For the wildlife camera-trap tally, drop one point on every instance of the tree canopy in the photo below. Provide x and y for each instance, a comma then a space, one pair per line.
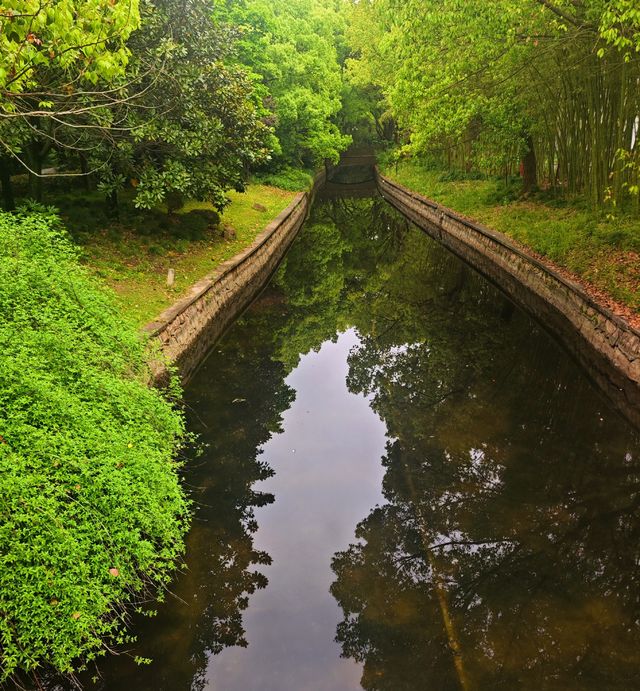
292, 48
83, 39
195, 96
177, 100
194, 128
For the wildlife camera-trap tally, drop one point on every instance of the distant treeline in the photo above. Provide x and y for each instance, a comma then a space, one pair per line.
184, 99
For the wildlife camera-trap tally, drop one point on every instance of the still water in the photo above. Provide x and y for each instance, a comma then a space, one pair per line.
405, 484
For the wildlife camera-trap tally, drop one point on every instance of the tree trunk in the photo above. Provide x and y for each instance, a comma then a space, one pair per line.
35, 183
113, 208
9, 202
84, 169
529, 168
37, 153
35, 160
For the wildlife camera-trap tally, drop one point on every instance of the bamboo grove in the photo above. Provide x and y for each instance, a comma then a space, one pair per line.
547, 89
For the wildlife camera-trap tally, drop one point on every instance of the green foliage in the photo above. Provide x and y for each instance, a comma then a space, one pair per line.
62, 72
364, 115
457, 175
292, 46
82, 39
620, 26
438, 64
186, 99
196, 128
93, 513
486, 86
291, 179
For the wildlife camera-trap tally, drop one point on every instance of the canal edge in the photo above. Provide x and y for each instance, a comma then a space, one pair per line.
182, 335
603, 342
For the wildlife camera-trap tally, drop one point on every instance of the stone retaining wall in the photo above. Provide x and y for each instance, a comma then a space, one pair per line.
604, 343
188, 329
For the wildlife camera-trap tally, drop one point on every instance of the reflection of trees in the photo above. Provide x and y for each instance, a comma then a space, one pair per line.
327, 268
313, 284
206, 615
506, 556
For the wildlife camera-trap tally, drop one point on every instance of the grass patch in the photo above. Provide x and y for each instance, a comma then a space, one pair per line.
602, 250
134, 254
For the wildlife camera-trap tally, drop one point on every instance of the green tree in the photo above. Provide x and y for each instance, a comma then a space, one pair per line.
490, 86
195, 128
292, 48
62, 66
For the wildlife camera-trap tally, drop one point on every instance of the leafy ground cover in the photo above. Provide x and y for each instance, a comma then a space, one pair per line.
92, 512
599, 248
134, 254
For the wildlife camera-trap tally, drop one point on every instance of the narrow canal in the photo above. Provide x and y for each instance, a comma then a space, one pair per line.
404, 484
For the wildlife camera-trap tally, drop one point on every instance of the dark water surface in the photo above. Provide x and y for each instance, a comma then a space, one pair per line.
406, 485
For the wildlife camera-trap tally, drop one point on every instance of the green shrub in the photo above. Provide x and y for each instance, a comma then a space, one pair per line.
92, 513
290, 179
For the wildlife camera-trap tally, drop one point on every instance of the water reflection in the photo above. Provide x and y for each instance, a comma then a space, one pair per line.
328, 474
506, 555
496, 547
235, 405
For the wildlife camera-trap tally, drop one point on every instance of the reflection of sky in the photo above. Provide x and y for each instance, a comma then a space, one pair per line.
328, 477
